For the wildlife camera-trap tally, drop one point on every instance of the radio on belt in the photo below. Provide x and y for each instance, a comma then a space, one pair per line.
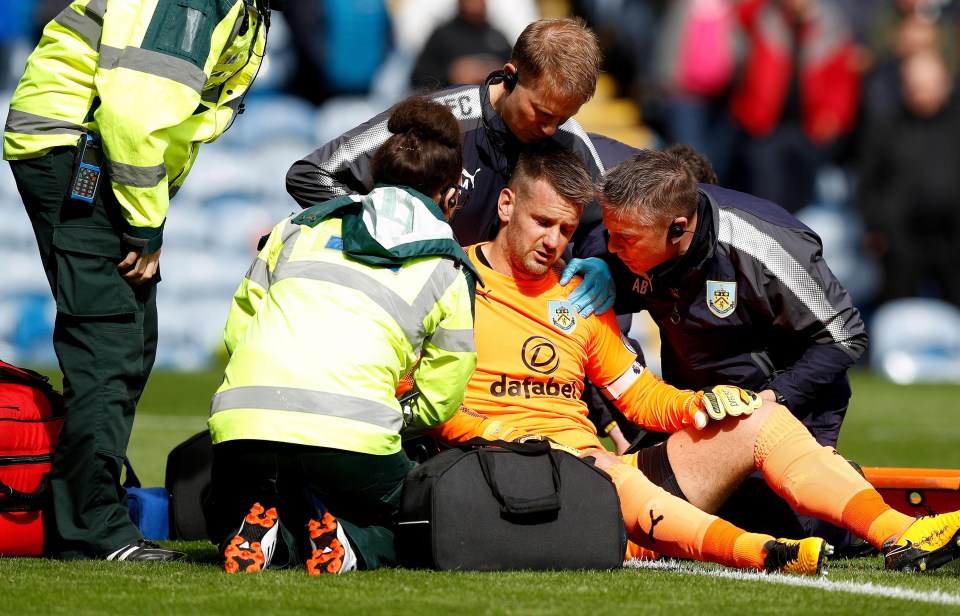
87, 179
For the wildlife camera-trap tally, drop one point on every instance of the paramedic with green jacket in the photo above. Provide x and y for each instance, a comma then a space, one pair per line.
103, 128
344, 300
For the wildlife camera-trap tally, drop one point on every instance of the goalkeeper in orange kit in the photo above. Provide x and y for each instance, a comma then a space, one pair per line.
534, 352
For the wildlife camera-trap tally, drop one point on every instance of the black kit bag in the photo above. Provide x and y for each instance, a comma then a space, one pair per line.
188, 481
507, 507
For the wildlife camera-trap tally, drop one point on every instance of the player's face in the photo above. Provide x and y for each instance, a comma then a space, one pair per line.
641, 247
533, 112
540, 226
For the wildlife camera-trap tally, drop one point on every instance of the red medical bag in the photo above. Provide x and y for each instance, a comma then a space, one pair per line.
31, 413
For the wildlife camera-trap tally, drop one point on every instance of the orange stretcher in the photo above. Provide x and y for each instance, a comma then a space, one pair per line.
917, 491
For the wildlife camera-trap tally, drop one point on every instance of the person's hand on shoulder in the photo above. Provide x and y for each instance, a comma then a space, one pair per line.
597, 292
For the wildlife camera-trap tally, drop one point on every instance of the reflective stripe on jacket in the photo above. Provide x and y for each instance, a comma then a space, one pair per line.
319, 340
153, 78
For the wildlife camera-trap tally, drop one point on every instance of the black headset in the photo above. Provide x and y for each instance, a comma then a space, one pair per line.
499, 161
263, 9
452, 201
676, 229
510, 80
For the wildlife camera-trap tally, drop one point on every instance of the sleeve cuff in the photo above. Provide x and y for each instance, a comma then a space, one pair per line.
143, 240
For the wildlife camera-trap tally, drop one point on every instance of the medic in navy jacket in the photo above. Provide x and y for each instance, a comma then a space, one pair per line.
752, 303
490, 152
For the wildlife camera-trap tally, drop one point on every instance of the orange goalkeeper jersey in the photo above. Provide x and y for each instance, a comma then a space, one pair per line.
533, 352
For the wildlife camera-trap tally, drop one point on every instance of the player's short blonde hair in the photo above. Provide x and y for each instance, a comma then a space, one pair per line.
560, 167
562, 54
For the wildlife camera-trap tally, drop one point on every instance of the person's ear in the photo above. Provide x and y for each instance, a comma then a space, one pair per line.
450, 198
505, 204
510, 76
677, 229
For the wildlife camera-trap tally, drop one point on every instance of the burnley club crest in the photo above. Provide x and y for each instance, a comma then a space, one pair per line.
562, 315
721, 297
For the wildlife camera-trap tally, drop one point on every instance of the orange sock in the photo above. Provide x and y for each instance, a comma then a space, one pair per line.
637, 552
867, 516
659, 521
818, 481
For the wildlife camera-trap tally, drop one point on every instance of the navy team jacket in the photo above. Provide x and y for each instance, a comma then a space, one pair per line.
490, 153
752, 303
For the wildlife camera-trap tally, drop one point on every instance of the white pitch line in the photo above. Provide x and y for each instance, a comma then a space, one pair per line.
820, 583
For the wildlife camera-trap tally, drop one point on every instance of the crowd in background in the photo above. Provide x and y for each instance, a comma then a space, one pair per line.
784, 94
841, 111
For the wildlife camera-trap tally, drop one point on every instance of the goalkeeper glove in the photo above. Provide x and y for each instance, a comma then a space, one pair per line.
494, 430
720, 401
536, 438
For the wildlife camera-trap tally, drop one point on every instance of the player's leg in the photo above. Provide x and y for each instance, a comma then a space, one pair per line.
817, 481
710, 464
661, 521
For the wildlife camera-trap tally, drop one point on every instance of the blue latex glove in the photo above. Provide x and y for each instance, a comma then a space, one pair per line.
597, 292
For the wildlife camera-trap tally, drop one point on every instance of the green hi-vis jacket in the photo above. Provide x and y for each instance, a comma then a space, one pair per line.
154, 78
340, 303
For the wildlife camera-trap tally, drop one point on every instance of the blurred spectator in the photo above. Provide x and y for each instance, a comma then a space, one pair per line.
885, 39
415, 20
797, 97
909, 192
699, 49
899, 29
339, 45
463, 50
627, 31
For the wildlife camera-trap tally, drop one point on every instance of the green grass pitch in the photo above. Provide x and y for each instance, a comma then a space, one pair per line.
887, 425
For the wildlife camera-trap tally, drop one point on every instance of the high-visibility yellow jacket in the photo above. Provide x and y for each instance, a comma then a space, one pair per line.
339, 304
154, 78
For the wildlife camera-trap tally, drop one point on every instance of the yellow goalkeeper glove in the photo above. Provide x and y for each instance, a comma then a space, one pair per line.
536, 438
565, 448
720, 401
494, 430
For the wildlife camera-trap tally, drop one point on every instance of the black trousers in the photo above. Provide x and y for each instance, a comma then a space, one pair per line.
105, 338
361, 490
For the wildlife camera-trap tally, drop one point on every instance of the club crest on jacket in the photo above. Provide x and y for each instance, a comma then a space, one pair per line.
721, 297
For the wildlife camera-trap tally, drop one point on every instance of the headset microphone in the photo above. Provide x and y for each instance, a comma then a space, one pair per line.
510, 80
676, 230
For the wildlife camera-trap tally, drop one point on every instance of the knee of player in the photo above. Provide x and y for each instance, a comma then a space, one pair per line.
758, 417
